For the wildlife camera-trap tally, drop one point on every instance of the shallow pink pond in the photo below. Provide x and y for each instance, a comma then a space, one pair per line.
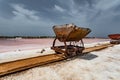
23, 44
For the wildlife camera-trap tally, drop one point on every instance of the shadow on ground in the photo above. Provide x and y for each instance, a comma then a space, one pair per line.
88, 56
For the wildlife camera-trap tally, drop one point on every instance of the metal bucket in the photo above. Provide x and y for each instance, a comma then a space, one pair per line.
70, 32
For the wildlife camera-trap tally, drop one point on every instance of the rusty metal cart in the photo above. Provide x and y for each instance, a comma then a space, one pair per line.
115, 38
69, 34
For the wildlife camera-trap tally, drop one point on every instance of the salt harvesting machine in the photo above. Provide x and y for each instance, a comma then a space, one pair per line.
70, 35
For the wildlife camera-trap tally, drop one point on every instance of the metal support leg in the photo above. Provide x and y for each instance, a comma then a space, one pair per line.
54, 41
82, 42
66, 53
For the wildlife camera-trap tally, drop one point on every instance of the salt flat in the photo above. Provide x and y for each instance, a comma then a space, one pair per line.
23, 54
97, 65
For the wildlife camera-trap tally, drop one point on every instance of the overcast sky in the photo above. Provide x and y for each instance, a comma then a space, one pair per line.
36, 17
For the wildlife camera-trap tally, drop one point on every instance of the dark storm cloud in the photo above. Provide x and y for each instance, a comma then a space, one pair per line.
36, 17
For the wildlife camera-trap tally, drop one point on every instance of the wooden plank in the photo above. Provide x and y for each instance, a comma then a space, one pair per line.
10, 67
6, 68
96, 48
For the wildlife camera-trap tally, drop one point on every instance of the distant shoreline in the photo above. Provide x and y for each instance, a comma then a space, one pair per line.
25, 37
39, 37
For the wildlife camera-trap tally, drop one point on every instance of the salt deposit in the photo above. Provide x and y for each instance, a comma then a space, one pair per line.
96, 44
23, 54
97, 65
18, 54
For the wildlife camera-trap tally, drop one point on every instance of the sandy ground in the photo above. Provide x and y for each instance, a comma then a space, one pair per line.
98, 65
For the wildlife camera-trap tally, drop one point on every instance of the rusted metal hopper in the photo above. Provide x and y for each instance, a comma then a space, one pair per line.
72, 34
115, 38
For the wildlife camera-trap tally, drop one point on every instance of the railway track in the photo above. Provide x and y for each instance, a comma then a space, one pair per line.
19, 65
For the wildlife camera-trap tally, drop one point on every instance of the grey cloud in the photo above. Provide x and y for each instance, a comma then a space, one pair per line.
25, 22
36, 17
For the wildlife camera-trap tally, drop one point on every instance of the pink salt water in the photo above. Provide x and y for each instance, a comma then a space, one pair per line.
26, 44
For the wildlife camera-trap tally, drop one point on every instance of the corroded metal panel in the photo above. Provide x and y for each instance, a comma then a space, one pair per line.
70, 32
